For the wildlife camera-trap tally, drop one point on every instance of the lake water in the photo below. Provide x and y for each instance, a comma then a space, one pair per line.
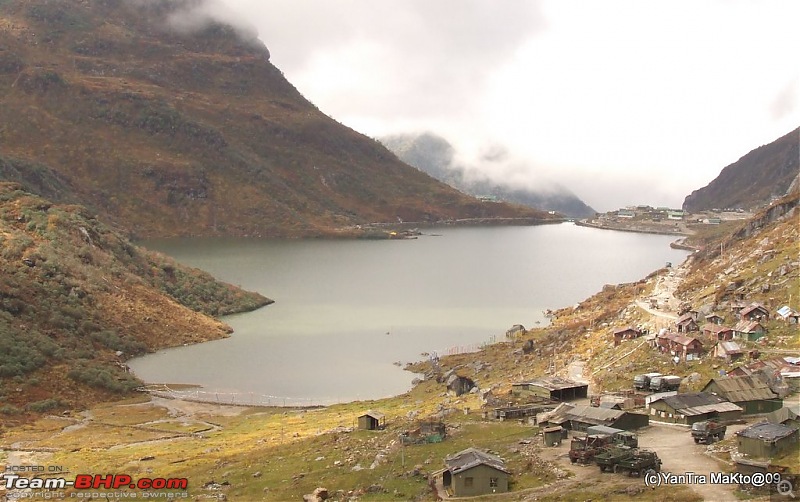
347, 311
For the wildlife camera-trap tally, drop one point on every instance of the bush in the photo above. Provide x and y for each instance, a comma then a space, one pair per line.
104, 378
10, 409
44, 405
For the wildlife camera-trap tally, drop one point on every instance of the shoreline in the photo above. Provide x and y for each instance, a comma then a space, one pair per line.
582, 223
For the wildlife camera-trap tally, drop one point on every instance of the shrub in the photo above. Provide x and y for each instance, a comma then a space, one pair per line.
10, 409
44, 405
103, 378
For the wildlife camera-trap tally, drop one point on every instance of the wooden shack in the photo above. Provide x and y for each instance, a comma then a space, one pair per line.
372, 421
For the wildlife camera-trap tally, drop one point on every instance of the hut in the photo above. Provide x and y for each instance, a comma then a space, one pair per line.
730, 351
626, 333
472, 472
553, 435
748, 330
554, 388
372, 421
765, 440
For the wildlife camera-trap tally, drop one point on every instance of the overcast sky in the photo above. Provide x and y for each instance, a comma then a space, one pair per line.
625, 102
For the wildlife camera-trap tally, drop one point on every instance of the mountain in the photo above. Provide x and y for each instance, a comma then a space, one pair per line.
77, 299
167, 128
436, 156
752, 181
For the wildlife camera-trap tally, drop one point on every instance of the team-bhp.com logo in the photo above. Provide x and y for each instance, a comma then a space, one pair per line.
11, 481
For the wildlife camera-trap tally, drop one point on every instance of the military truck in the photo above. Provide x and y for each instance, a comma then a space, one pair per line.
665, 383
610, 457
618, 436
642, 382
583, 449
708, 431
640, 462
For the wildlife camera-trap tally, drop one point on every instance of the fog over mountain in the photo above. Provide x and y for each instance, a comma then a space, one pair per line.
495, 175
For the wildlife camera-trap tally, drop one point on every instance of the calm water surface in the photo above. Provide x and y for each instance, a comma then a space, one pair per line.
347, 310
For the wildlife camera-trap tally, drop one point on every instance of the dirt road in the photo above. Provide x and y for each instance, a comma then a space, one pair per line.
679, 455
677, 451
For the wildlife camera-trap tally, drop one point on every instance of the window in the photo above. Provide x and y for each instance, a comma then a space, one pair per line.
493, 482
467, 482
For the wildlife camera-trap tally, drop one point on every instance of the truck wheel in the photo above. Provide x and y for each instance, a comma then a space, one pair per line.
696, 440
615, 468
602, 469
573, 460
650, 472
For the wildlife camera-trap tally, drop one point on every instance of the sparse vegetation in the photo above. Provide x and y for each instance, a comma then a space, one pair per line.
69, 288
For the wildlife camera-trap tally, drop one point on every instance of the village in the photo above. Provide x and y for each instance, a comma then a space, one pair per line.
682, 386
658, 423
662, 220
603, 429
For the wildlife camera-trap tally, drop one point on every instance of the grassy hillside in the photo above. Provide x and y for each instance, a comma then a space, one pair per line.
77, 299
281, 454
171, 132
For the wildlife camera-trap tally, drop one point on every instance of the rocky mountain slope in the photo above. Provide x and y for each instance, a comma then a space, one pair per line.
167, 129
751, 182
77, 299
435, 155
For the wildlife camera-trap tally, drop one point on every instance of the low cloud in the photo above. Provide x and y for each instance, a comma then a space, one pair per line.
785, 103
190, 16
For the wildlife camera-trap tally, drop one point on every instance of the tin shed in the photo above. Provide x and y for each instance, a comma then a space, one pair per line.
766, 440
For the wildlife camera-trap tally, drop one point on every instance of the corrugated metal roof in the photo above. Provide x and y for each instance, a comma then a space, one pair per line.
594, 413
730, 347
472, 457
754, 306
691, 400
710, 408
742, 388
374, 414
748, 326
716, 328
554, 383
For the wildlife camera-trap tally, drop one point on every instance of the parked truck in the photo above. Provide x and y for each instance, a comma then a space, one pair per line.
618, 436
665, 383
583, 449
708, 431
610, 457
642, 382
640, 462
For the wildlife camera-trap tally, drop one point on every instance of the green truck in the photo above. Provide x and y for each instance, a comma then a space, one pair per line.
609, 458
640, 462
708, 431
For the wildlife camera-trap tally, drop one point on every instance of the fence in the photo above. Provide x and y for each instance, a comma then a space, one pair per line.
235, 398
